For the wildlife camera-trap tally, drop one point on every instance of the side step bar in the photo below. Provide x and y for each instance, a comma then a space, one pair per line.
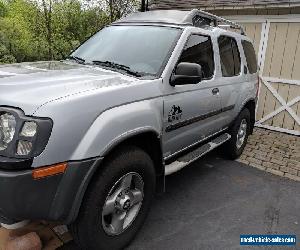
185, 160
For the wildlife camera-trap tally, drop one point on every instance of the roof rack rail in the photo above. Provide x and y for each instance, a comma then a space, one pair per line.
200, 18
197, 18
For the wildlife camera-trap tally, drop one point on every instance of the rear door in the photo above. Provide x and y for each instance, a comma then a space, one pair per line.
232, 76
251, 62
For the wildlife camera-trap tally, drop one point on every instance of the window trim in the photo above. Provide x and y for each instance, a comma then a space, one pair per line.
187, 40
239, 52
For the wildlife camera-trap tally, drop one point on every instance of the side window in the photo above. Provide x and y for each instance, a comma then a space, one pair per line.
250, 56
229, 56
236, 57
199, 50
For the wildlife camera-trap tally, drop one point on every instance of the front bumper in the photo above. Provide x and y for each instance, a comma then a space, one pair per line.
54, 198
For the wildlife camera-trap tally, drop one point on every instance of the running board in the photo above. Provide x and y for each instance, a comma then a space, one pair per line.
185, 160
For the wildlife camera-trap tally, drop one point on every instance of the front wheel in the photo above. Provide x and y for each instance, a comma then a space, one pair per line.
239, 132
117, 201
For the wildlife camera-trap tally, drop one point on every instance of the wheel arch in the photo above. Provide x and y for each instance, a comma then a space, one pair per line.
153, 147
150, 142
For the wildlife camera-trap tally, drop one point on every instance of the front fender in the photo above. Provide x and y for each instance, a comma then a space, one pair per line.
117, 124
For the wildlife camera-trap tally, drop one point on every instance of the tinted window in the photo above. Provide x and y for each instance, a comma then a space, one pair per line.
199, 50
236, 57
250, 56
229, 56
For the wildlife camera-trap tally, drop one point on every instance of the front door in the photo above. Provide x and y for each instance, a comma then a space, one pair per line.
189, 110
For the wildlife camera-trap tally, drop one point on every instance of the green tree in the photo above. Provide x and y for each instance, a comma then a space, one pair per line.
72, 25
2, 9
119, 8
50, 29
17, 31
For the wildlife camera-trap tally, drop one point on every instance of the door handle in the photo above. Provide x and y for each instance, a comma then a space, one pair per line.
215, 91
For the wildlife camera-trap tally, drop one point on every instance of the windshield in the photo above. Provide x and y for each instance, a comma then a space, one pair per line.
140, 50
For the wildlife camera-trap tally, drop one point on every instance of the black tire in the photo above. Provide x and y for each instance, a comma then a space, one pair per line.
88, 231
231, 148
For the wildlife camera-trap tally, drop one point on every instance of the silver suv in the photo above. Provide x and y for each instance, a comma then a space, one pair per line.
89, 140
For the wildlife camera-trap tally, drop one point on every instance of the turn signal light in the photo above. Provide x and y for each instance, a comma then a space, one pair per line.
49, 171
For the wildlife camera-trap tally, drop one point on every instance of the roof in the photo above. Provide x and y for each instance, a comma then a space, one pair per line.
215, 4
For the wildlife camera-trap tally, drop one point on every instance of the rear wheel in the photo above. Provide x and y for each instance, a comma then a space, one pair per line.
239, 132
117, 201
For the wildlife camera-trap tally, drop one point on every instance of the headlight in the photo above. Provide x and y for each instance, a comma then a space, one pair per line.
24, 148
21, 136
7, 129
29, 129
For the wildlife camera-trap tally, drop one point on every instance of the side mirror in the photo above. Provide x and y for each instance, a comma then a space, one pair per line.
187, 73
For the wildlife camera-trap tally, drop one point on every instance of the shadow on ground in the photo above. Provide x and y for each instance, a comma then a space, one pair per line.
211, 202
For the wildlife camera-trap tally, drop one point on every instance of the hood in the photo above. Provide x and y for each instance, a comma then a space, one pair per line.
30, 85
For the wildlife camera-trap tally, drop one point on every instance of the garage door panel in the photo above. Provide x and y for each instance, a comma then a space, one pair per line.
249, 29
278, 49
270, 101
290, 50
297, 126
283, 91
294, 92
296, 63
265, 99
289, 122
258, 28
270, 49
270, 104
262, 98
296, 109
281, 78
271, 120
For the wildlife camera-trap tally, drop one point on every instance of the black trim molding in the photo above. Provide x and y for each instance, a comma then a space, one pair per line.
187, 122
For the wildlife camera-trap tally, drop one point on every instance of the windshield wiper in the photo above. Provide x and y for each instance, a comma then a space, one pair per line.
77, 59
122, 67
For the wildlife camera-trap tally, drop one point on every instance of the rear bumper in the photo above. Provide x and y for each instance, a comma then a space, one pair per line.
54, 198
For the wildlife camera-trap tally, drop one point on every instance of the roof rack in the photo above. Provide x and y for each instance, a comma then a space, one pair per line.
199, 18
194, 17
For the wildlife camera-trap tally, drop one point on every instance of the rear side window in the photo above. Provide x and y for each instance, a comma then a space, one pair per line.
250, 56
199, 50
230, 56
